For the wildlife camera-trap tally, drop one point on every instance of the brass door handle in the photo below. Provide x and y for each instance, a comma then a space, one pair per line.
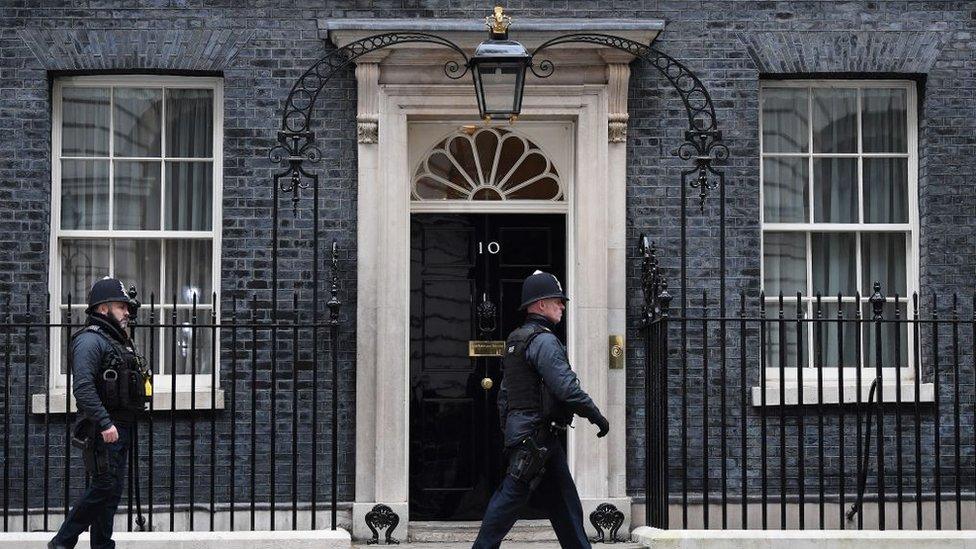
487, 383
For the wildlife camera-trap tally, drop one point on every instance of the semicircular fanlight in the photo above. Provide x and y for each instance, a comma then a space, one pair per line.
489, 164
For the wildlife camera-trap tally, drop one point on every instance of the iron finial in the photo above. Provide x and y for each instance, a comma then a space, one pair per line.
877, 302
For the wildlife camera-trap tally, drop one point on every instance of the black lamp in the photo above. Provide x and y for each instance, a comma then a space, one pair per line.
498, 68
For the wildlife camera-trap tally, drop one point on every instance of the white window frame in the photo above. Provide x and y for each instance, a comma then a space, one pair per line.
910, 229
162, 382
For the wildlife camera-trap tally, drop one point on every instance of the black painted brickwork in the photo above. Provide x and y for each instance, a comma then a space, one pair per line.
261, 49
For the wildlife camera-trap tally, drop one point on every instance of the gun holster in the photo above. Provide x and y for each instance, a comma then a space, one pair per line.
85, 437
528, 462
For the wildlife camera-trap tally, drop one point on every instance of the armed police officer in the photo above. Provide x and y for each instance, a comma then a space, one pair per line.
112, 386
539, 395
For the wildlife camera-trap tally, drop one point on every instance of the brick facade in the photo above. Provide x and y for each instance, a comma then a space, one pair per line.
261, 50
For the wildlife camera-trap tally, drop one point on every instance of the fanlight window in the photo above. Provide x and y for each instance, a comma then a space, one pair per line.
488, 164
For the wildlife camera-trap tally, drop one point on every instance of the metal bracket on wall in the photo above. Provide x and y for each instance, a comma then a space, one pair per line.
382, 517
606, 517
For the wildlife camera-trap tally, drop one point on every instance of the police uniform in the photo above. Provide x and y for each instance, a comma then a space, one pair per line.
111, 385
539, 395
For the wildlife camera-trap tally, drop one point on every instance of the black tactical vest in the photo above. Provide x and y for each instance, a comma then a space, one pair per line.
123, 382
522, 381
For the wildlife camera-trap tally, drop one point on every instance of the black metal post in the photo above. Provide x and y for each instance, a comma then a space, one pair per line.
172, 419
763, 410
294, 412
213, 408
801, 479
705, 433
937, 432
899, 470
957, 432
47, 408
819, 363
917, 409
781, 325
153, 368
877, 304
232, 382
334, 306
6, 421
193, 406
841, 426
66, 501
743, 414
27, 406
859, 390
254, 408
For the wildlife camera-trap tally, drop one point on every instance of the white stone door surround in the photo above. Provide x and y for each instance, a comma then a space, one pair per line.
402, 85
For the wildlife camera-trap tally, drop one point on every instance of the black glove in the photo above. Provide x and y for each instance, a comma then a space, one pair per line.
603, 424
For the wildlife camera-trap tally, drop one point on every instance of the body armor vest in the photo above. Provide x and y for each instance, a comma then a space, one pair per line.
522, 381
124, 382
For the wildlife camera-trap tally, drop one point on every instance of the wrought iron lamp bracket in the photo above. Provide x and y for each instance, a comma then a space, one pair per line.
296, 141
703, 140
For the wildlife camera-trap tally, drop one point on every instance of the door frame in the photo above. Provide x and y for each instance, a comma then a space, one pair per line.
383, 255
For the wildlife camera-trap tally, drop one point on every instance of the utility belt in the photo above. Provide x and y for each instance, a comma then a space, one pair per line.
528, 459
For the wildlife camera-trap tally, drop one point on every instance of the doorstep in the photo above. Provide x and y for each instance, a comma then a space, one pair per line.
291, 539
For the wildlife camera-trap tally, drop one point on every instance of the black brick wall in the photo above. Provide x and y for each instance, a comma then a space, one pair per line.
261, 49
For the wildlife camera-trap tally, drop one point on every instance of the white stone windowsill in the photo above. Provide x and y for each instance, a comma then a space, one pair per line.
831, 392
162, 401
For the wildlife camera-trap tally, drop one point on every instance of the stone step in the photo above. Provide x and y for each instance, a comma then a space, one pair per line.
467, 531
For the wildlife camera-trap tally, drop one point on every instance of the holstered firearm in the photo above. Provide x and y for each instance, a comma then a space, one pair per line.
528, 461
85, 437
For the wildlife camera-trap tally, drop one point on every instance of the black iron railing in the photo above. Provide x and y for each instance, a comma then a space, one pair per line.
795, 412
240, 459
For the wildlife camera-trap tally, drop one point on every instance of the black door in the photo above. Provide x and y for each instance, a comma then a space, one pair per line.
466, 273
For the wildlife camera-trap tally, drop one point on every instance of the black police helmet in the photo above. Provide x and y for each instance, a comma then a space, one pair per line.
540, 285
108, 290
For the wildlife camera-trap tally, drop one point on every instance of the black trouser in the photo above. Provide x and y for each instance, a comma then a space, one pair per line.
97, 506
556, 493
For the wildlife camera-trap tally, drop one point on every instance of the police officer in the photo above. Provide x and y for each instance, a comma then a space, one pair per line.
539, 395
111, 386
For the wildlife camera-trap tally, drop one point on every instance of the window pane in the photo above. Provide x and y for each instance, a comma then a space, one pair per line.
84, 194
189, 196
886, 190
788, 341
188, 270
84, 121
137, 263
189, 123
835, 190
834, 268
137, 188
889, 330
784, 263
82, 263
137, 122
835, 333
784, 120
785, 190
190, 342
883, 259
884, 120
834, 120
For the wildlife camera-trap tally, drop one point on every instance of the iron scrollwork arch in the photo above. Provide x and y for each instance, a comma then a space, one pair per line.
296, 140
703, 140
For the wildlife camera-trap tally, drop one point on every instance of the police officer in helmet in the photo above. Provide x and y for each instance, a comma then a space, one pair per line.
112, 386
539, 395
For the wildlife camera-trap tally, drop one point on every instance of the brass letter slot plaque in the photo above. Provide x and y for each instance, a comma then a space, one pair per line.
486, 348
616, 352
